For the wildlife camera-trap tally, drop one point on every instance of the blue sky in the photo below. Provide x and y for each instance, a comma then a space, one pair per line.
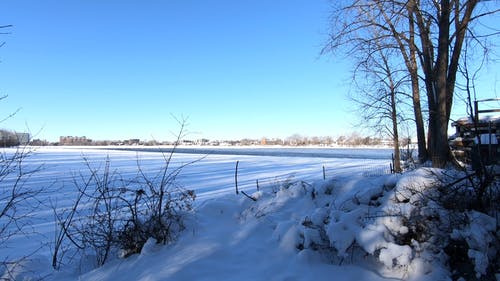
120, 69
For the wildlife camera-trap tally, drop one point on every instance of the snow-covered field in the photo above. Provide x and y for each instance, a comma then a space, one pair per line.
301, 227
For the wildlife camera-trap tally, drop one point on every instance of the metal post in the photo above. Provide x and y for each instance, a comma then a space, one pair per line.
476, 112
236, 176
490, 149
393, 164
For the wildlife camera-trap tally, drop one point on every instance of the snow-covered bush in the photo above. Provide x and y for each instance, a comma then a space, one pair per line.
479, 234
400, 225
471, 202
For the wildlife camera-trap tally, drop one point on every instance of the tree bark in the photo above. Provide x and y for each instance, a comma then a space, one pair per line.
395, 133
408, 50
440, 150
435, 78
415, 88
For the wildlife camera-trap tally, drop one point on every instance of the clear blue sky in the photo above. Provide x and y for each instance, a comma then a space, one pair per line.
119, 69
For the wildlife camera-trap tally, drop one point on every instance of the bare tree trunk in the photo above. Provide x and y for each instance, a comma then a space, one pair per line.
395, 133
419, 121
415, 88
408, 50
440, 74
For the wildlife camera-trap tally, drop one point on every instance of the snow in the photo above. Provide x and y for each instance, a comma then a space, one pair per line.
235, 239
482, 119
300, 227
478, 234
394, 254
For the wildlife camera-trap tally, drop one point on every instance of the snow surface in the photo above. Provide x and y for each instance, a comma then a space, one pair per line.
482, 118
300, 227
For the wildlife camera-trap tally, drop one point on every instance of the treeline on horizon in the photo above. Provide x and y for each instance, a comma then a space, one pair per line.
8, 138
11, 138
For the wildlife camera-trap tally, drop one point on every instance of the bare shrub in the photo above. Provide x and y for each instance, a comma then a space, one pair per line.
157, 206
18, 201
144, 223
112, 215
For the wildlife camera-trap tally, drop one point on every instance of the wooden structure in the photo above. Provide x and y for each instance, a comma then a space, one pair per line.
477, 139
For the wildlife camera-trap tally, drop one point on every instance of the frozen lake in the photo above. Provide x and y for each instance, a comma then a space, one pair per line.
309, 152
209, 172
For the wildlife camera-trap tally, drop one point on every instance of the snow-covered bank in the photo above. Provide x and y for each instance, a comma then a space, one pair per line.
348, 228
231, 238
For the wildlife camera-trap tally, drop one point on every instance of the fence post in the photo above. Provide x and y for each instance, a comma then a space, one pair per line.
324, 173
490, 150
476, 112
257, 181
393, 164
236, 176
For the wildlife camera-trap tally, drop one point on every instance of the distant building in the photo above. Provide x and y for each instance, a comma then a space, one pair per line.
39, 142
202, 142
187, 142
10, 138
71, 140
132, 142
23, 138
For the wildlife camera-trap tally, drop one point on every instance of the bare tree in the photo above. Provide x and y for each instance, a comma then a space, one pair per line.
380, 81
18, 200
353, 26
430, 30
